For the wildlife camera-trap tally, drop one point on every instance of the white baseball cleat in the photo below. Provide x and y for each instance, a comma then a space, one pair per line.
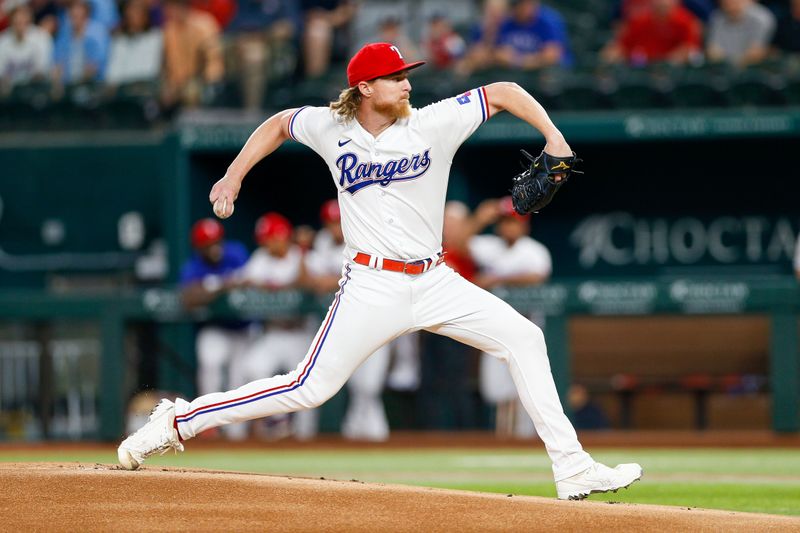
157, 436
598, 478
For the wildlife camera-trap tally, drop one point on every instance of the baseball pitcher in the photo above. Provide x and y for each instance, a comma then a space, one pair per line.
390, 165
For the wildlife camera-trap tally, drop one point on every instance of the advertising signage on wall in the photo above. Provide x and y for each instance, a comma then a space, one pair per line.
621, 243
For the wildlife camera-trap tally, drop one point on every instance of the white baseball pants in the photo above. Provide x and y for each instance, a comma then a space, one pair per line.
373, 307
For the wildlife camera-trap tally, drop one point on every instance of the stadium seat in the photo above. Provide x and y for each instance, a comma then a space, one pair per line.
316, 92
546, 85
26, 106
424, 93
487, 76
638, 94
756, 91
582, 94
697, 94
133, 105
228, 95
80, 107
701, 87
792, 92
579, 23
285, 93
430, 86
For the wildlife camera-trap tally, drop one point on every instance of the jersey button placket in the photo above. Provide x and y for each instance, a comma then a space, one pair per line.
390, 215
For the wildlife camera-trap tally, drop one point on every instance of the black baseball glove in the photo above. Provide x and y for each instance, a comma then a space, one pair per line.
533, 189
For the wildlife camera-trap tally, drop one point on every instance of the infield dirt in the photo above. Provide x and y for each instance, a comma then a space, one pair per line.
97, 497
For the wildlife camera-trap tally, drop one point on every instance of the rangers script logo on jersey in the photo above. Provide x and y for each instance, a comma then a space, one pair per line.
355, 175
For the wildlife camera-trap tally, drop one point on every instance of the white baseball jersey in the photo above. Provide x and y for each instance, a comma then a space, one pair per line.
392, 187
326, 256
494, 256
262, 267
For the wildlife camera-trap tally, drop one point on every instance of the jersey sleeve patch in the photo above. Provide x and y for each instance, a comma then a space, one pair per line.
478, 94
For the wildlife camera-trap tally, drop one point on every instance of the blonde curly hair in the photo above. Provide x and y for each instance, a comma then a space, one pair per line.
347, 104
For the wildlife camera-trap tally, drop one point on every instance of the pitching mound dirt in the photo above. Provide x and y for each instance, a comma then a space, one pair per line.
85, 497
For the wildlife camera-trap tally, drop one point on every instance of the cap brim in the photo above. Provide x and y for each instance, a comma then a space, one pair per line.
407, 66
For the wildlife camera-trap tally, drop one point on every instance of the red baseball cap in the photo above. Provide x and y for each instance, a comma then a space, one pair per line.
329, 212
376, 60
507, 209
272, 226
206, 232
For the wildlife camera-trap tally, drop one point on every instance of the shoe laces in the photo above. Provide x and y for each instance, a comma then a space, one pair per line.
601, 473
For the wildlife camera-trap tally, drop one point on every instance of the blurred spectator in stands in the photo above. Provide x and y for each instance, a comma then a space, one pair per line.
533, 37
45, 15
278, 264
460, 227
136, 50
103, 12
586, 414
193, 61
740, 32
262, 32
625, 10
156, 11
25, 50
443, 46
5, 13
787, 32
511, 258
222, 10
323, 21
701, 9
511, 240
483, 37
390, 30
664, 32
81, 47
211, 272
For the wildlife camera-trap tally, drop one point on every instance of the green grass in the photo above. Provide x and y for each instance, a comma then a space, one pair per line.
752, 480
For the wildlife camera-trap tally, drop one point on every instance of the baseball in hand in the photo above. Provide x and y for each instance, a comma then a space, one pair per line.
221, 208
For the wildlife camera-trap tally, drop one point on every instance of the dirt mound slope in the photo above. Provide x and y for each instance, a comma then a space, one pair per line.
96, 497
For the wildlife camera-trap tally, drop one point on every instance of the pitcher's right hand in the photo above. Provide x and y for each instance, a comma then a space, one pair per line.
223, 194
